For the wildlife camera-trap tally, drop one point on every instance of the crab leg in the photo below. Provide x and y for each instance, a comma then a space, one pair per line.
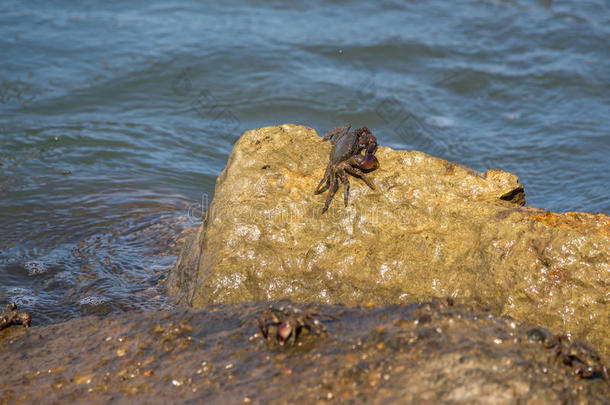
359, 173
345, 182
326, 179
334, 186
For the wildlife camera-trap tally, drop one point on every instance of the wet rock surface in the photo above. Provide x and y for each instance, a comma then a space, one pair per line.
417, 353
432, 228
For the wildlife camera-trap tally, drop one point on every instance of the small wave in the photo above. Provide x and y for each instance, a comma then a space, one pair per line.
23, 297
440, 122
511, 116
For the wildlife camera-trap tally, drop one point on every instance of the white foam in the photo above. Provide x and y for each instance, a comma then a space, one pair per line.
93, 300
36, 267
440, 122
511, 116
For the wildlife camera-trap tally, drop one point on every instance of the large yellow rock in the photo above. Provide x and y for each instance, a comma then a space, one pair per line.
432, 228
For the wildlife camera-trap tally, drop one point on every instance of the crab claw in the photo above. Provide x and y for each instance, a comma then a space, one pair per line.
366, 162
369, 162
283, 332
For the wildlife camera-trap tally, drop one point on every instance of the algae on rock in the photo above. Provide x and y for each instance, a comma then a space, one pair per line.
432, 228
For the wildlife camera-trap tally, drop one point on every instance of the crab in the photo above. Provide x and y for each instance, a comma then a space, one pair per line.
574, 353
346, 157
285, 323
10, 316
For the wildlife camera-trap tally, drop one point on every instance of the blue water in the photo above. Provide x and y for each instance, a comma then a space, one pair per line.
117, 117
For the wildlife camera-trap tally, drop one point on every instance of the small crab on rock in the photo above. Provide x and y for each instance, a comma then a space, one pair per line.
10, 316
573, 353
285, 323
346, 157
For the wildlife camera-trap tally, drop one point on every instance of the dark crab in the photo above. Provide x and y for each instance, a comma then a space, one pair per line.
285, 323
10, 316
573, 353
346, 157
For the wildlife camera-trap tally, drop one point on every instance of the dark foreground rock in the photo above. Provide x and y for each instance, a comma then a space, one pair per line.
432, 228
418, 353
